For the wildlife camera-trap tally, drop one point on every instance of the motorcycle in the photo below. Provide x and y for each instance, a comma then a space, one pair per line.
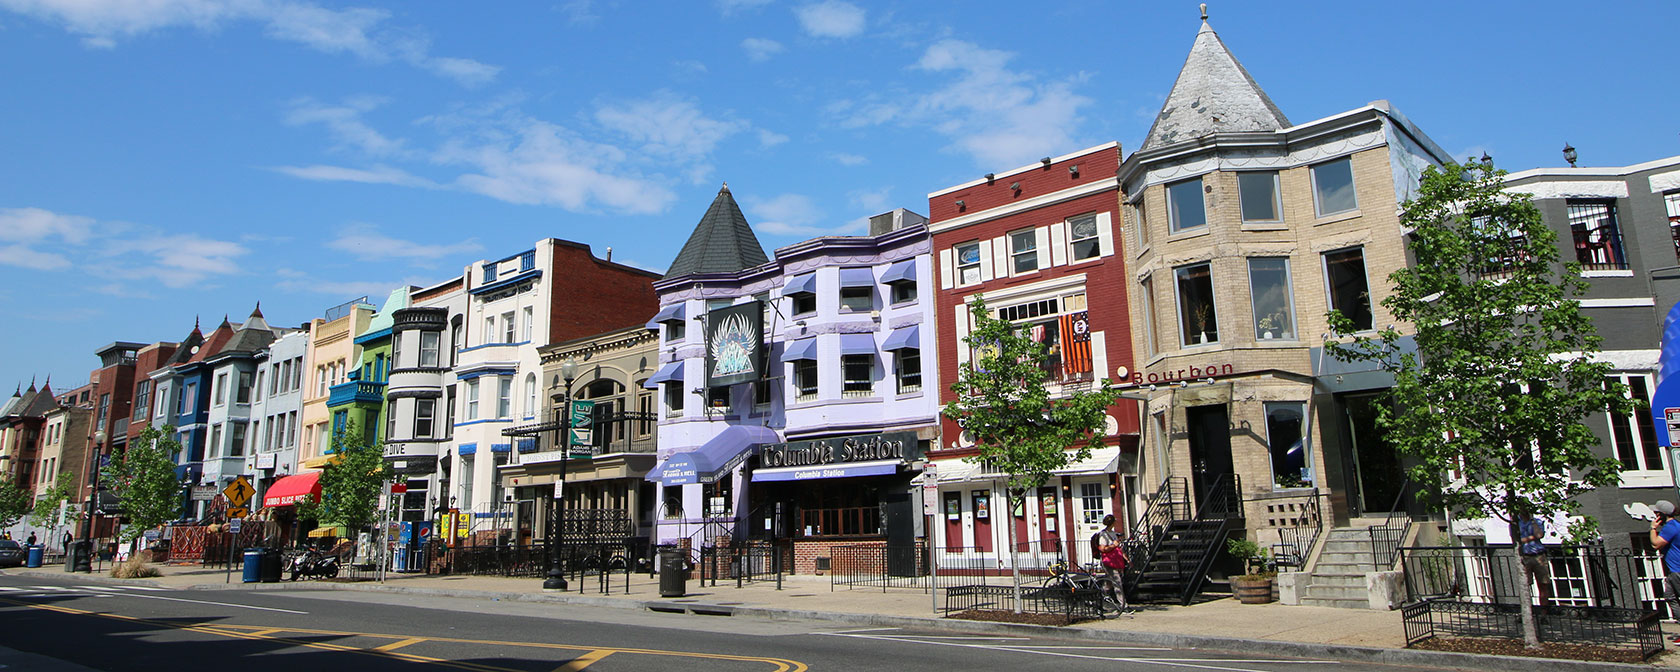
315, 565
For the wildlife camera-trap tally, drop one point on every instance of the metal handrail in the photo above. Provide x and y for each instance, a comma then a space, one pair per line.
1300, 539
1170, 502
1387, 537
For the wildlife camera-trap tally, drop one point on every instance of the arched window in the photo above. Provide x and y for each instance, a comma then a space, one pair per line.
530, 395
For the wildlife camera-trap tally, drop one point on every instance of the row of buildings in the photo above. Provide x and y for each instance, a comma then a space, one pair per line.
796, 395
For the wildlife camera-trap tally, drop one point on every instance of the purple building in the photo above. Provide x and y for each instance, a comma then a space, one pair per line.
794, 406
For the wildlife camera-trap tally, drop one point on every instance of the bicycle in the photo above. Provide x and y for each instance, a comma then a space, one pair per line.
1087, 584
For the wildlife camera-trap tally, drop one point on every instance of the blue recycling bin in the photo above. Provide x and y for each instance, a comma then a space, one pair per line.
253, 566
33, 559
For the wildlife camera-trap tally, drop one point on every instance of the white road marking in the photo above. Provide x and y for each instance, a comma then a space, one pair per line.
1020, 639
219, 604
1091, 648
1198, 663
64, 589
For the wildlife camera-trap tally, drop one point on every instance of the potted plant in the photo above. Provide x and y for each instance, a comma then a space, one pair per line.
1255, 586
1202, 315
1277, 321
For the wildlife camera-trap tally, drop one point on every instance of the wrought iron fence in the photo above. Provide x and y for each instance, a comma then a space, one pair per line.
1301, 524
1074, 602
942, 567
745, 563
522, 561
1588, 594
1387, 536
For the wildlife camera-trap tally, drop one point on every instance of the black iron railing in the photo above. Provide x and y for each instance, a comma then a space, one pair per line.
1387, 536
1170, 502
1633, 630
1299, 537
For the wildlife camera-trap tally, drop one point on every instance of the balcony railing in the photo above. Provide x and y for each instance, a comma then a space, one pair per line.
356, 391
1599, 249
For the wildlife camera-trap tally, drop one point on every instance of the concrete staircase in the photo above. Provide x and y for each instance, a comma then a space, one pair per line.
1338, 577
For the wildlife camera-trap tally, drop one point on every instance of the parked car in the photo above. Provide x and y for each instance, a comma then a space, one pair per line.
11, 553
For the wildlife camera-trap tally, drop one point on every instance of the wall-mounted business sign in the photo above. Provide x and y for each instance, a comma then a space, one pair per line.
1126, 377
582, 427
734, 344
901, 446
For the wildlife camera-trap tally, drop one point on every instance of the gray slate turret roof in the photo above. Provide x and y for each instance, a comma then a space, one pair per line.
721, 243
1213, 94
252, 336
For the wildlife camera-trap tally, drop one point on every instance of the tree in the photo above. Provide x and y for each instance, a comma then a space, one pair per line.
1005, 406
351, 484
15, 501
143, 476
48, 506
1490, 403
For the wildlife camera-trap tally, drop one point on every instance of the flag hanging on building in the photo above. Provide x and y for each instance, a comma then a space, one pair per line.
1076, 343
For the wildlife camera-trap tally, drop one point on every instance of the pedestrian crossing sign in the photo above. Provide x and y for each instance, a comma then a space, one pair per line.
239, 492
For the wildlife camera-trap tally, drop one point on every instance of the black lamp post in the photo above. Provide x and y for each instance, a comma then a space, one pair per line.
84, 547
1569, 154
556, 574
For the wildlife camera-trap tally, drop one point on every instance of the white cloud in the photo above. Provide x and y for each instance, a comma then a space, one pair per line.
379, 174
689, 67
185, 259
366, 242
727, 7
873, 201
546, 164
29, 225
345, 123
358, 31
770, 138
761, 49
299, 281
19, 255
997, 116
845, 159
831, 18
795, 215
665, 123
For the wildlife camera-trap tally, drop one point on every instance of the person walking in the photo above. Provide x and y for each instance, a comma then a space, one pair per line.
1665, 537
1108, 547
1530, 533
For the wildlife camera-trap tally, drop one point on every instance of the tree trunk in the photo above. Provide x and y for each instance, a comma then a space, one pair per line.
1014, 557
1530, 630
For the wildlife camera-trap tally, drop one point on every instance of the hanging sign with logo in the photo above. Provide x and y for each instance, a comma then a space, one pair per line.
1665, 400
582, 425
734, 344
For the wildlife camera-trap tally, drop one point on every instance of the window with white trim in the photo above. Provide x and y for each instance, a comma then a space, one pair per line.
805, 380
1186, 207
530, 395
674, 397
1597, 235
489, 329
1023, 251
1048, 321
1274, 303
530, 323
504, 397
860, 376
907, 363
1350, 292
507, 327
1150, 345
424, 410
1333, 187
1634, 436
1198, 319
220, 387
472, 399
968, 263
1257, 190
1083, 240
429, 348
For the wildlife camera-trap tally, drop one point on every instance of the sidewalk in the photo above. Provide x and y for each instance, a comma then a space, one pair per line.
1314, 632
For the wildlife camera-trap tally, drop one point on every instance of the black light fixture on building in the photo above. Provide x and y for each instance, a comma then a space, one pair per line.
1569, 154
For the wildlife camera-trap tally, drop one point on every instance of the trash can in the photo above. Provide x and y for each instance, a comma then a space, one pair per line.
270, 565
253, 566
673, 573
33, 559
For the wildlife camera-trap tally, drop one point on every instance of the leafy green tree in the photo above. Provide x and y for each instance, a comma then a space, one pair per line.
15, 502
1004, 404
1491, 401
52, 501
143, 476
351, 484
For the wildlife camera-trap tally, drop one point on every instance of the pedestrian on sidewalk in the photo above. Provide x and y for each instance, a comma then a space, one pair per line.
1531, 530
1665, 532
31, 541
1108, 548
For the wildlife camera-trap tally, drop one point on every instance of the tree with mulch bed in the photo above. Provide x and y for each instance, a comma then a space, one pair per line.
1018, 427
1507, 647
1491, 401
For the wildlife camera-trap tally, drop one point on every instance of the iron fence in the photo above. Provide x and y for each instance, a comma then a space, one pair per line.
1074, 602
1387, 536
745, 563
1609, 627
939, 567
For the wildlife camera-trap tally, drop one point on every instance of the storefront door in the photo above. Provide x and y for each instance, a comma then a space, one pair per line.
1210, 447
1091, 503
1377, 475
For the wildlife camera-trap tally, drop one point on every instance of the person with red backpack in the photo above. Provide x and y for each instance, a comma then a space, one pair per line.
1106, 546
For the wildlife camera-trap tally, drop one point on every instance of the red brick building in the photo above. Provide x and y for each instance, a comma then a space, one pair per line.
1039, 243
141, 398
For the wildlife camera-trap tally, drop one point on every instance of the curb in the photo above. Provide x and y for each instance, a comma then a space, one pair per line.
1342, 652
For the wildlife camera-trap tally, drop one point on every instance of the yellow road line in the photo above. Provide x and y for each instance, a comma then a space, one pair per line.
778, 664
584, 660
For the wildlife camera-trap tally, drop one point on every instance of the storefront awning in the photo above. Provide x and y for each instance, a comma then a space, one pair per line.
1102, 461
857, 344
675, 311
904, 271
800, 284
904, 338
804, 348
667, 373
856, 277
952, 471
875, 468
287, 491
718, 456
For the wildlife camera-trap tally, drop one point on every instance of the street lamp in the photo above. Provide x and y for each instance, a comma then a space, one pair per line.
83, 553
1569, 154
556, 579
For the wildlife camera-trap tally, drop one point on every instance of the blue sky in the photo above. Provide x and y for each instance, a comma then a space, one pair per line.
178, 158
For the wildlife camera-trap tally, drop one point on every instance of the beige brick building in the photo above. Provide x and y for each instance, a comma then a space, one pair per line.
1243, 231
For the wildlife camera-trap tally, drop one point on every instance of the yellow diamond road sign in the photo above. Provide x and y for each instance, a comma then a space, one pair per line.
239, 492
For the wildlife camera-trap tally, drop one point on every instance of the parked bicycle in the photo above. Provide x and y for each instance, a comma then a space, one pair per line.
1085, 584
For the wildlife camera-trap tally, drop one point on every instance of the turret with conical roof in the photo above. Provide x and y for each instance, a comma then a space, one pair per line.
1213, 94
721, 243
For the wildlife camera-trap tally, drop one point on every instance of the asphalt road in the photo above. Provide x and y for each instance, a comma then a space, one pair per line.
126, 628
